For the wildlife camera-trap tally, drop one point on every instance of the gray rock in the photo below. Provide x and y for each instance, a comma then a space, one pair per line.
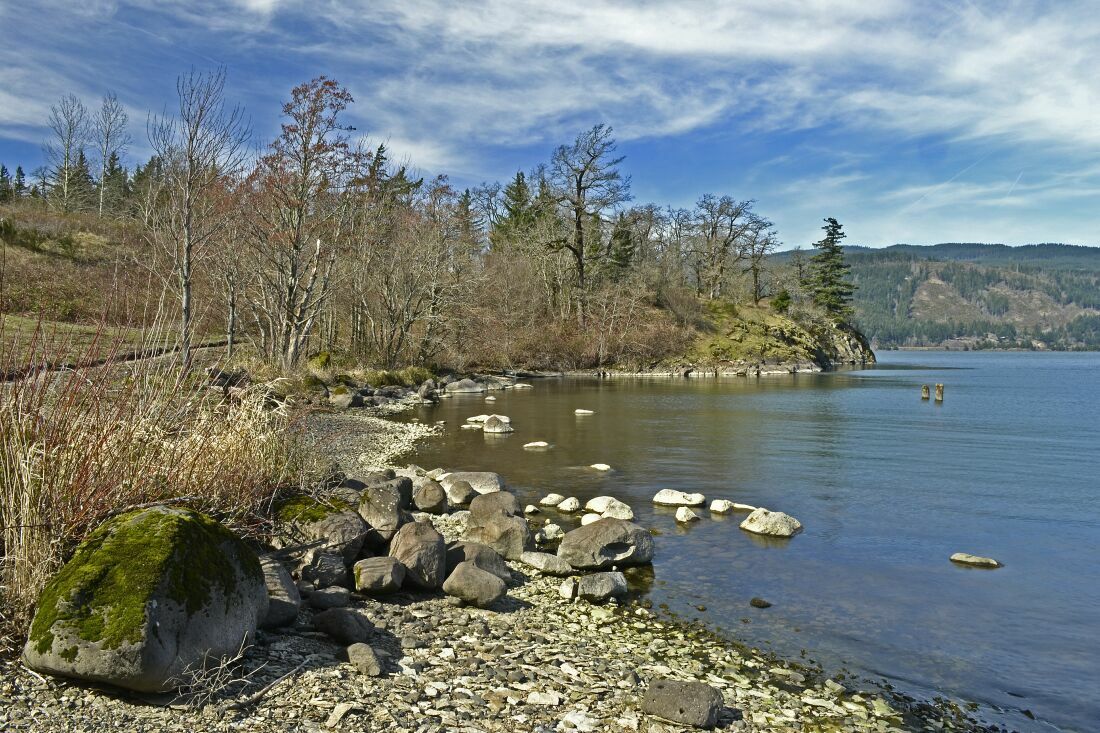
427, 390
345, 625
307, 519
283, 599
465, 385
168, 588
498, 503
774, 524
342, 398
510, 536
546, 563
605, 543
420, 549
495, 425
325, 570
483, 482
601, 587
429, 496
363, 658
688, 703
459, 493
329, 598
382, 507
965, 558
483, 556
378, 575
474, 585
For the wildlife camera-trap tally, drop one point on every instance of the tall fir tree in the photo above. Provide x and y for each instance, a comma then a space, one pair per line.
622, 246
7, 190
519, 213
19, 185
828, 283
115, 184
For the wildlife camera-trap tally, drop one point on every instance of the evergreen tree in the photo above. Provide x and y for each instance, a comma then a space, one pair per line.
622, 246
828, 283
115, 184
7, 191
519, 213
82, 182
19, 185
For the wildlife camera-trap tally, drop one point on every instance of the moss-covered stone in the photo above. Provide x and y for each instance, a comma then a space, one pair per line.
307, 509
101, 595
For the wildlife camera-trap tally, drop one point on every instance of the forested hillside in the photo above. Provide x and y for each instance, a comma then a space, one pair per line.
1044, 296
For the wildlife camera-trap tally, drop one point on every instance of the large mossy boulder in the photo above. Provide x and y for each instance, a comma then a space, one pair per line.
334, 522
148, 597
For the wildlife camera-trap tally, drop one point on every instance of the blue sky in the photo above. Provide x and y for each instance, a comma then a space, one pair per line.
915, 122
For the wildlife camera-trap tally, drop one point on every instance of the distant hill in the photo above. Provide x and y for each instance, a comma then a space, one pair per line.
971, 295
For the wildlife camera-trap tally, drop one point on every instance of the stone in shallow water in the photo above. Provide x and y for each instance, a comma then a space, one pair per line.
964, 558
570, 505
582, 411
775, 524
600, 467
590, 518
685, 515
551, 500
689, 703
536, 444
672, 497
605, 543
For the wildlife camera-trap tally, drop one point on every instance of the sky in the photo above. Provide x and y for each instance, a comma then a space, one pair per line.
908, 121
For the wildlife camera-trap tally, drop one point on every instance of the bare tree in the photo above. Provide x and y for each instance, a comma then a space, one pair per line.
202, 149
587, 181
68, 123
298, 217
760, 240
719, 223
111, 139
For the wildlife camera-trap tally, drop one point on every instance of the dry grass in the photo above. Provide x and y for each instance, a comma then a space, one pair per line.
78, 445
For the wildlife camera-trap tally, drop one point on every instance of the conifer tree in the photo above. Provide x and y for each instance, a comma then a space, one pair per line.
829, 285
19, 185
7, 191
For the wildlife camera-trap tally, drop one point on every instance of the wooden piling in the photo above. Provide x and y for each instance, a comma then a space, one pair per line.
925, 392
939, 393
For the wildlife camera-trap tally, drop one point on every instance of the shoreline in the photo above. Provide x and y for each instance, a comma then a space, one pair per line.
534, 661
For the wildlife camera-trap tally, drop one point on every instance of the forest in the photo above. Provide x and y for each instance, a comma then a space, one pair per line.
319, 241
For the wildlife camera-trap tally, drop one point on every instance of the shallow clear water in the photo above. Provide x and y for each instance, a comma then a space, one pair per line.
887, 487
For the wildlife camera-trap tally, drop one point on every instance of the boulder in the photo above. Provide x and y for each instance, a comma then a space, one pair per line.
551, 500
590, 518
774, 524
721, 506
617, 510
550, 532
465, 386
459, 493
605, 543
345, 625
382, 507
685, 515
420, 549
483, 482
602, 587
568, 589
531, 509
325, 570
306, 519
599, 504
377, 575
546, 563
486, 506
329, 598
672, 497
964, 558
342, 398
570, 505
495, 425
688, 703
283, 599
149, 595
362, 657
482, 556
474, 585
429, 496
426, 391
508, 535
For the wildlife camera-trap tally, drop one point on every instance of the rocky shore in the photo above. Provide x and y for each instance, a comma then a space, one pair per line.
534, 654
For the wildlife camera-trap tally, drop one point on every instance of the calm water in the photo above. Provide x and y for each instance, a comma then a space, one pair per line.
887, 487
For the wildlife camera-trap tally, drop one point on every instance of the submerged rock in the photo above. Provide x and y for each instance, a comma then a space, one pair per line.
774, 524
149, 595
977, 561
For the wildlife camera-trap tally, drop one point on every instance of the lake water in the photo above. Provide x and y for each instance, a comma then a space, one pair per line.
887, 487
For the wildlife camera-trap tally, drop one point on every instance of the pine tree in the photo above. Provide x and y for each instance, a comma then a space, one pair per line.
622, 246
828, 283
519, 213
83, 184
115, 184
19, 185
7, 191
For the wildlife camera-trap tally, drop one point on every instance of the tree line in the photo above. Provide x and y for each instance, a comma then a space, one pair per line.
321, 242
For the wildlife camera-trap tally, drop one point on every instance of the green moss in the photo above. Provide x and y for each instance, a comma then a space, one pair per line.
321, 360
102, 594
407, 377
339, 390
307, 509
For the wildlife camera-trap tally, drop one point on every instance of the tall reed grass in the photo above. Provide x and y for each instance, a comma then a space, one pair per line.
81, 443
